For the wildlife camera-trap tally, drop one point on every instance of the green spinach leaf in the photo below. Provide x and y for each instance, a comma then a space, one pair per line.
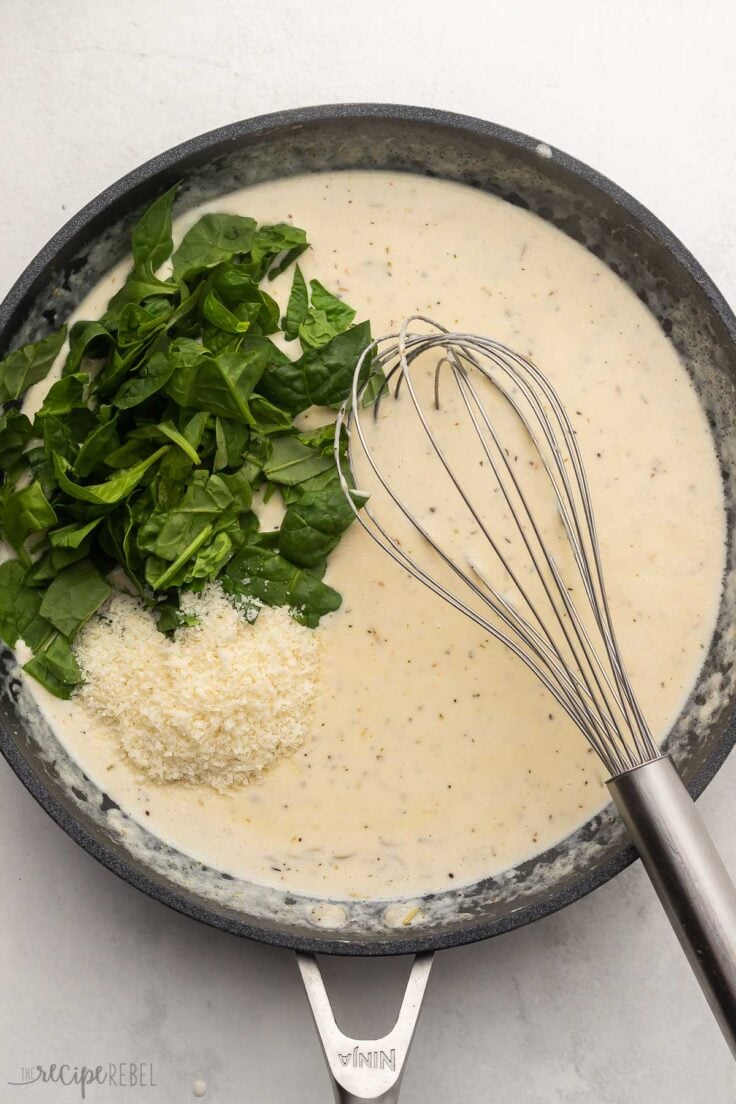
112, 491
15, 433
74, 595
19, 604
28, 365
260, 576
329, 369
296, 311
221, 385
67, 394
24, 512
88, 341
55, 667
313, 525
213, 239
291, 461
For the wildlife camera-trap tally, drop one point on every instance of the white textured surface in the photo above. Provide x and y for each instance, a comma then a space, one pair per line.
592, 1005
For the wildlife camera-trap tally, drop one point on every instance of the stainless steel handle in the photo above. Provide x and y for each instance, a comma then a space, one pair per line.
365, 1071
689, 877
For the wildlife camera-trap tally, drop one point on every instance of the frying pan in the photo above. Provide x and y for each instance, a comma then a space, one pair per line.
641, 251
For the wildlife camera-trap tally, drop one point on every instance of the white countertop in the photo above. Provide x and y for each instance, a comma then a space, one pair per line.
592, 1006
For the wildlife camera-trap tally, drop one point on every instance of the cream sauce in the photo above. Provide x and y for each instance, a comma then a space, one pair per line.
435, 758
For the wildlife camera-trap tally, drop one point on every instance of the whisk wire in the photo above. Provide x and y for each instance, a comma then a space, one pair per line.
583, 640
587, 679
593, 663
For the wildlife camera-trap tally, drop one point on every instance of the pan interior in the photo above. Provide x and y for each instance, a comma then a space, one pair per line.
639, 253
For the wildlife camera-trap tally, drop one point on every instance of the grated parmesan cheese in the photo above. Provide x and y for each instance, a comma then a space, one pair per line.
215, 705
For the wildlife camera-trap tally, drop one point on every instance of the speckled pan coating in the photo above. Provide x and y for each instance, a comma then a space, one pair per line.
587, 207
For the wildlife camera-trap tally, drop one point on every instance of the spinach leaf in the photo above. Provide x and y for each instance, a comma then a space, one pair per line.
138, 324
73, 597
221, 385
162, 574
170, 482
72, 535
273, 244
112, 491
97, 445
313, 525
228, 321
257, 575
210, 559
117, 539
87, 341
19, 604
329, 369
169, 617
206, 497
58, 439
322, 438
151, 237
234, 303
193, 429
213, 239
337, 312
232, 440
316, 330
292, 461
152, 245
296, 311
283, 382
286, 259
168, 429
328, 479
15, 433
266, 417
153, 377
28, 365
375, 385
24, 512
238, 484
135, 449
59, 558
67, 394
139, 285
322, 376
40, 469
326, 317
55, 667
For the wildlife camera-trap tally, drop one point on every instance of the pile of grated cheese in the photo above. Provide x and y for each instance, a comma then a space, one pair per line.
216, 704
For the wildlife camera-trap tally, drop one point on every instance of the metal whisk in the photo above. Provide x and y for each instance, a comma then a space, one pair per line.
547, 603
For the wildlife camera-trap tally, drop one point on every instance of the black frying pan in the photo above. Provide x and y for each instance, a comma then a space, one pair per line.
584, 205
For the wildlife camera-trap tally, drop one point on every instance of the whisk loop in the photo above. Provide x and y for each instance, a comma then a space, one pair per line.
536, 606
540, 591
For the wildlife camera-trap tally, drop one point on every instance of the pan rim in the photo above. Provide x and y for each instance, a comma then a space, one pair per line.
12, 311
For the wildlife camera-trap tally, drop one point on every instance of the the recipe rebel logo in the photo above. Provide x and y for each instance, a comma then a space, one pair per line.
119, 1075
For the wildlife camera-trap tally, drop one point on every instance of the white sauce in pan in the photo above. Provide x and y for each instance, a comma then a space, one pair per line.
434, 757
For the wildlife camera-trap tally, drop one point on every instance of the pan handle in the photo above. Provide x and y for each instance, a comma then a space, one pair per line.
365, 1071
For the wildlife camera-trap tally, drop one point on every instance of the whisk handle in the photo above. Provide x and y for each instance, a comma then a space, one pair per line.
690, 879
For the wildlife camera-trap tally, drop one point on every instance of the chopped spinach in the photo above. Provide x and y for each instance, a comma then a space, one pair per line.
171, 410
28, 365
292, 461
257, 575
313, 525
74, 595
